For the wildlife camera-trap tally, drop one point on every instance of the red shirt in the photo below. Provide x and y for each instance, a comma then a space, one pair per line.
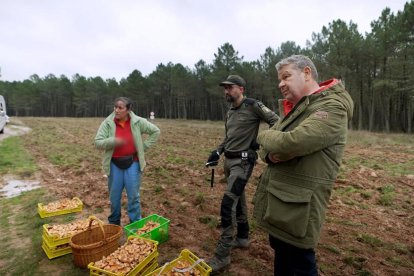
123, 130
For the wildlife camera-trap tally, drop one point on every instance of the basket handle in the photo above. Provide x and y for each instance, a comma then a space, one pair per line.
100, 223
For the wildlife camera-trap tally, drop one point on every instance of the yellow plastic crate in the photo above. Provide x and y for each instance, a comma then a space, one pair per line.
150, 267
53, 240
185, 255
43, 213
54, 252
145, 271
53, 246
143, 268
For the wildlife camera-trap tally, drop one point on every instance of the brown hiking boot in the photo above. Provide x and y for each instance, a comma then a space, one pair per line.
240, 243
219, 263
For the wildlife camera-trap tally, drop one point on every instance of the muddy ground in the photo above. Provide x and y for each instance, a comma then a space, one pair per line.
365, 233
14, 129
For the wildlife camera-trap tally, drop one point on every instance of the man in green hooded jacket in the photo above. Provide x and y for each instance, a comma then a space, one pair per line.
303, 151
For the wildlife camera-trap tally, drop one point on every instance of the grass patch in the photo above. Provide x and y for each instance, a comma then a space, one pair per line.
355, 261
160, 171
349, 202
21, 238
366, 194
400, 248
158, 189
184, 191
400, 262
363, 272
387, 142
387, 195
345, 190
371, 240
387, 189
16, 212
327, 268
175, 159
57, 143
373, 139
15, 159
331, 248
386, 200
200, 199
210, 221
400, 169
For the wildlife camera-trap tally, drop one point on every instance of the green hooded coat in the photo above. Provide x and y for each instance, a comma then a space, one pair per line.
292, 195
105, 138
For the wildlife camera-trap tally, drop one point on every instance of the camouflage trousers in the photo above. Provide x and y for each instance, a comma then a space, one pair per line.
233, 205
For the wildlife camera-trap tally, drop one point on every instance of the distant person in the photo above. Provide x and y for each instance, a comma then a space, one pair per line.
120, 136
303, 152
239, 147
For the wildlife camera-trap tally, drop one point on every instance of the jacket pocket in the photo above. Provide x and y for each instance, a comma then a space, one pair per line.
288, 208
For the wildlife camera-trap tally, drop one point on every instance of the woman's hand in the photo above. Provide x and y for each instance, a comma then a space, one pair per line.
119, 141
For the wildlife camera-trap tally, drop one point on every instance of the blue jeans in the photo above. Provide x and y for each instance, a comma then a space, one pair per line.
130, 179
291, 260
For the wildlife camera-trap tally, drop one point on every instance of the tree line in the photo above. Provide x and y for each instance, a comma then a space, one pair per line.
377, 69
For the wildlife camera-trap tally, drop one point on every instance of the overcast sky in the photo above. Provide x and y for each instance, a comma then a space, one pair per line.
110, 39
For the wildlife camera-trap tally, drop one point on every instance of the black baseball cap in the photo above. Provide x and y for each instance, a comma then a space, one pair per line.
234, 79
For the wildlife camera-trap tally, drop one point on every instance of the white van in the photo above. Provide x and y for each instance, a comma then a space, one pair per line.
3, 114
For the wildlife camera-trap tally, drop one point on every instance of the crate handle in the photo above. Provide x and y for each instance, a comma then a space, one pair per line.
162, 269
180, 270
188, 268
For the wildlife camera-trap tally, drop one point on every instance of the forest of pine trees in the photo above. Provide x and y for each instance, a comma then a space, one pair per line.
377, 69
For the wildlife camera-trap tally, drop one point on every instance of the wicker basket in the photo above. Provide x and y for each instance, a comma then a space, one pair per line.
94, 243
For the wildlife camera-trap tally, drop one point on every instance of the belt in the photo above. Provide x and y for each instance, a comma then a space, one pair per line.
134, 157
236, 154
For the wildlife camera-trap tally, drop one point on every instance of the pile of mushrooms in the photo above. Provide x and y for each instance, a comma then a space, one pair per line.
62, 204
127, 257
148, 227
69, 229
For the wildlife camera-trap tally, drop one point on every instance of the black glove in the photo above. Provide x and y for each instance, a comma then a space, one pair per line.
213, 158
252, 156
254, 146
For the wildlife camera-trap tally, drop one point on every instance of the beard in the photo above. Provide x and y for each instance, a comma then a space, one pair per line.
229, 99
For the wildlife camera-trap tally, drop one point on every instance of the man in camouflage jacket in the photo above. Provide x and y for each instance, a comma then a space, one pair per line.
239, 147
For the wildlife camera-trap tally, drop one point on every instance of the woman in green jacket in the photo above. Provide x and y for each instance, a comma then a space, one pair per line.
303, 151
120, 136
